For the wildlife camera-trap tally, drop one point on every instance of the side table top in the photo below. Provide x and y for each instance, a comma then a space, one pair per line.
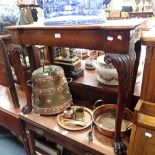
124, 24
5, 36
148, 37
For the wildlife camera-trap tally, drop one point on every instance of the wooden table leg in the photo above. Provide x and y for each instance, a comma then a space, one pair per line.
10, 83
24, 137
31, 54
15, 54
124, 65
51, 54
135, 71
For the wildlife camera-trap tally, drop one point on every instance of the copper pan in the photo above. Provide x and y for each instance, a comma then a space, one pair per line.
104, 119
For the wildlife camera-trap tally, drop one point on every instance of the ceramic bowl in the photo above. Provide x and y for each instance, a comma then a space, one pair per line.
106, 73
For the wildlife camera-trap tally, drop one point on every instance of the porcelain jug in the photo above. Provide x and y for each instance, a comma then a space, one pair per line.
106, 73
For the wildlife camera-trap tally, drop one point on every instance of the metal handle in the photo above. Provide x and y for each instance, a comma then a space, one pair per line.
90, 134
44, 64
29, 83
39, 132
69, 80
98, 101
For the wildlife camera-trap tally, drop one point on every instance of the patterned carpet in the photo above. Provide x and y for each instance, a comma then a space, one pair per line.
9, 144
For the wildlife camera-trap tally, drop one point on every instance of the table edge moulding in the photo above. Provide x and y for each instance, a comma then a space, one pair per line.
116, 37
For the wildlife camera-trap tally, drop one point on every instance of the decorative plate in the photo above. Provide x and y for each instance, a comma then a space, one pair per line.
72, 11
73, 124
9, 15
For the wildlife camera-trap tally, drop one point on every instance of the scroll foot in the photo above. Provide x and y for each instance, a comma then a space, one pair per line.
120, 148
27, 109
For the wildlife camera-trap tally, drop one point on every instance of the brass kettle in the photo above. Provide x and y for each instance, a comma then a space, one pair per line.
50, 91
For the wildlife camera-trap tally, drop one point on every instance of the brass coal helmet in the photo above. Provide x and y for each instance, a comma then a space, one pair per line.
51, 94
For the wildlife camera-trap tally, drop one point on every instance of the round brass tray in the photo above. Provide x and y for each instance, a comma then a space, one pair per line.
73, 124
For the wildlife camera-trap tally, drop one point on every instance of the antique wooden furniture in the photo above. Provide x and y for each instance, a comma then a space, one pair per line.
6, 78
140, 14
75, 141
148, 84
142, 140
143, 130
117, 38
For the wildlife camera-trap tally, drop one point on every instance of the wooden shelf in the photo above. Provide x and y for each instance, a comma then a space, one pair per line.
89, 80
87, 86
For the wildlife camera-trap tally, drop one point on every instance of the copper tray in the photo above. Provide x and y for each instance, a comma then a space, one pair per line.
71, 123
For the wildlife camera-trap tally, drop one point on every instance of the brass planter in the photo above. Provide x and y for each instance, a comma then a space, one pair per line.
51, 94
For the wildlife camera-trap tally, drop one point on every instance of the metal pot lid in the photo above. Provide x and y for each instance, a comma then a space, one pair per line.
50, 70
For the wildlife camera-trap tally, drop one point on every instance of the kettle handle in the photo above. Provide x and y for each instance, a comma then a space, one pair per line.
97, 102
29, 83
45, 62
69, 80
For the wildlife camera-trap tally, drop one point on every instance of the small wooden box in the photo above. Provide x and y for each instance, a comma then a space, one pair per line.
115, 14
124, 15
142, 140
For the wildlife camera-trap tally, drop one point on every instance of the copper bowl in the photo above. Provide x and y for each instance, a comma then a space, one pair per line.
104, 119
